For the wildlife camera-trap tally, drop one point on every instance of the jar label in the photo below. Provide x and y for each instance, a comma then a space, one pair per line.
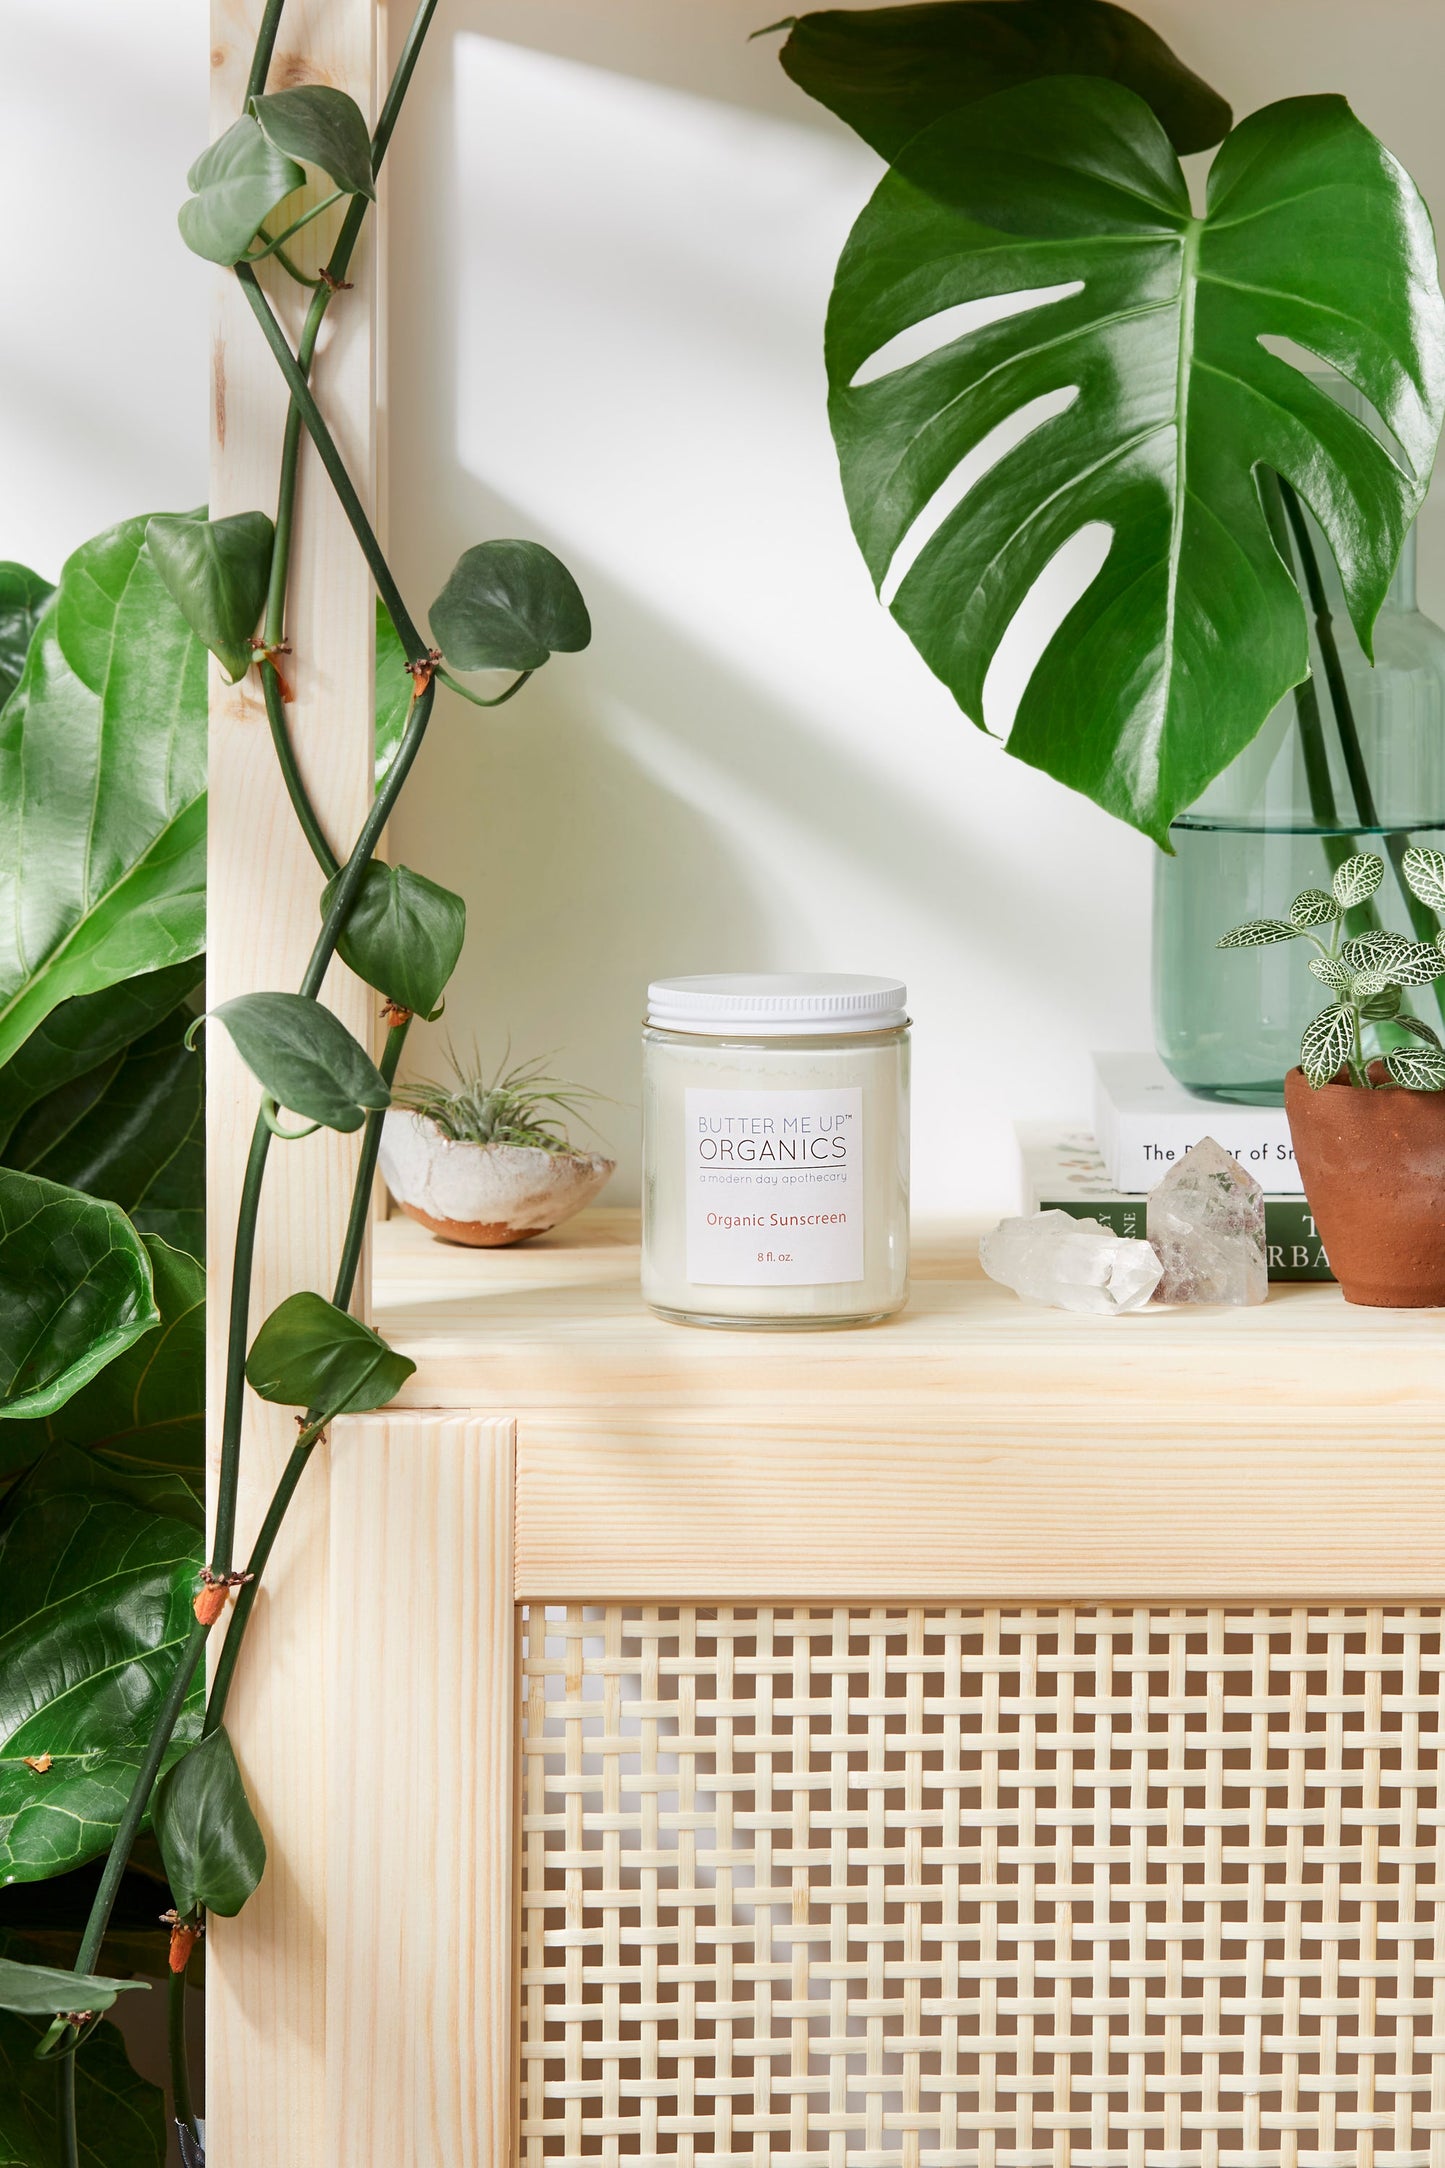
774, 1188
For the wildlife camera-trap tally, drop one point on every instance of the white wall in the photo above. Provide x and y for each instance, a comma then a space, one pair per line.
613, 228
104, 332
625, 220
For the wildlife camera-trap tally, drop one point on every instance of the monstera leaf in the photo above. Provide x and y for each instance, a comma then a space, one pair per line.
95, 1605
102, 781
890, 72
131, 1131
1164, 408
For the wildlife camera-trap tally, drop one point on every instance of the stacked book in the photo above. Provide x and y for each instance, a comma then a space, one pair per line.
1143, 1123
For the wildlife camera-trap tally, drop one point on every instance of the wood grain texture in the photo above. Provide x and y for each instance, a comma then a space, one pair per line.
419, 1708
266, 1970
560, 1325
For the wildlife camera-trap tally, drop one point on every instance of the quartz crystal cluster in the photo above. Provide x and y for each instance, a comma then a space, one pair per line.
1071, 1264
1206, 1220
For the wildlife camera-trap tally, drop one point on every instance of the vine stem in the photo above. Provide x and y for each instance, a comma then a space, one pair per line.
348, 883
178, 2052
65, 2112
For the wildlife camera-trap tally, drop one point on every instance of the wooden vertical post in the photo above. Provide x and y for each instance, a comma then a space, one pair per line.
266, 1971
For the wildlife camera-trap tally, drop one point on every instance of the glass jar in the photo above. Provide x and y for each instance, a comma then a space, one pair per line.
1320, 781
775, 1149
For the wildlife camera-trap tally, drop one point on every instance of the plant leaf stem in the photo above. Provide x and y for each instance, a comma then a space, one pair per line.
302, 1450
297, 225
177, 2052
65, 2112
1424, 923
292, 269
411, 640
303, 407
498, 701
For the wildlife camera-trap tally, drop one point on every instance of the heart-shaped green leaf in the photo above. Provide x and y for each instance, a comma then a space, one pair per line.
309, 1354
508, 606
403, 936
131, 1131
323, 126
75, 1290
234, 185
210, 1840
305, 1057
1142, 329
95, 1606
102, 788
216, 572
23, 595
394, 689
120, 2116
147, 1409
889, 72
37, 1991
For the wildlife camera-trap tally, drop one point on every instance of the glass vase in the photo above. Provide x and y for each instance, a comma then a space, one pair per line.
1353, 759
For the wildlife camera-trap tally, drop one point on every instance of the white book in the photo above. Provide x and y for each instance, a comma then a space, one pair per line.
1144, 1121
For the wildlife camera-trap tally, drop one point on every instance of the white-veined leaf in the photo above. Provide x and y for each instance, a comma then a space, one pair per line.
1419, 1027
1425, 872
1313, 908
1258, 933
1366, 950
1330, 971
1418, 1068
1327, 1044
1367, 984
1421, 963
1383, 1007
1358, 878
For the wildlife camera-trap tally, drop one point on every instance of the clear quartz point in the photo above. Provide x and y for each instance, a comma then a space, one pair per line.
1070, 1264
1206, 1220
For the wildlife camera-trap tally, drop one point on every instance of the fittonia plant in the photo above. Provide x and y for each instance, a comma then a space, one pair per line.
1366, 972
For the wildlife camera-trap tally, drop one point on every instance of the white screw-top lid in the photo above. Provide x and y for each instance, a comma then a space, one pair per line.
777, 1004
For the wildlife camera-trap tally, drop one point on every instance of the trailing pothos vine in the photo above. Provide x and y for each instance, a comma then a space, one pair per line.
507, 606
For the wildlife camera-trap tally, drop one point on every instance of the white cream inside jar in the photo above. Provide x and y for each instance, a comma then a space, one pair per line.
775, 1149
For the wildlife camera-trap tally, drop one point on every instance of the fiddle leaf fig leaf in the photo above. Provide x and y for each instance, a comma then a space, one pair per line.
508, 606
1417, 1068
311, 1355
1313, 908
146, 1410
86, 1034
1258, 933
102, 788
75, 1291
1358, 878
37, 1991
121, 2117
323, 126
1142, 329
394, 689
1425, 872
1330, 970
403, 936
234, 185
209, 1837
305, 1057
96, 1587
23, 595
890, 72
216, 572
1327, 1044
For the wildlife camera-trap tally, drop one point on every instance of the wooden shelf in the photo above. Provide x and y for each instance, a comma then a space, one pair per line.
973, 1445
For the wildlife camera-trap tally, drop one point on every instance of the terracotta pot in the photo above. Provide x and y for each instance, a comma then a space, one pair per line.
1373, 1166
485, 1195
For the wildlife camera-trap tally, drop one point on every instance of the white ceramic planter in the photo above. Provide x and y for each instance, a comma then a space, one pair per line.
484, 1194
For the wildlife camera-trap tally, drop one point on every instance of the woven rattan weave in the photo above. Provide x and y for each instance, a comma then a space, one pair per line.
1009, 1887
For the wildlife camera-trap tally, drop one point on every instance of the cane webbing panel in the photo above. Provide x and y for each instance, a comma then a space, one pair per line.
934, 1887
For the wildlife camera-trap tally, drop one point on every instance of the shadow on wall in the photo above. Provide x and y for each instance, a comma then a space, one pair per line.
619, 353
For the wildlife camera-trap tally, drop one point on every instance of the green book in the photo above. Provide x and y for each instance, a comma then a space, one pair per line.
1065, 1172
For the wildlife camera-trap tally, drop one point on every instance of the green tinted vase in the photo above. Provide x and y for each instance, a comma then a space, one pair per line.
1311, 788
